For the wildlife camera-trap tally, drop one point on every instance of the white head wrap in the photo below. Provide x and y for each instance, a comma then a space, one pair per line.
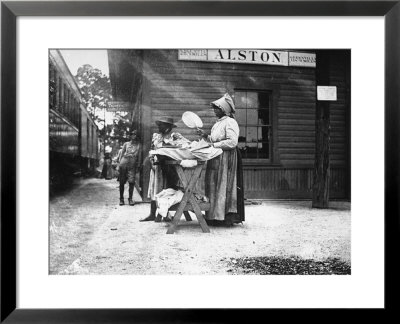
225, 103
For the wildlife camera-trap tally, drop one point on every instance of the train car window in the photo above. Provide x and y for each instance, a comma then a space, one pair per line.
87, 135
79, 116
75, 112
91, 141
67, 102
65, 97
52, 87
73, 109
54, 99
61, 108
56, 94
70, 106
60, 88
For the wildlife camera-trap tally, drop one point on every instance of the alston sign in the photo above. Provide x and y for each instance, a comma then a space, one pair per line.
249, 56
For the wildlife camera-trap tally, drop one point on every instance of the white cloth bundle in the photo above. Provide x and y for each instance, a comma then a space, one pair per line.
174, 153
167, 198
188, 163
198, 151
206, 153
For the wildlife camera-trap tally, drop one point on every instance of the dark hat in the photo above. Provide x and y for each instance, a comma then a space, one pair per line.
166, 120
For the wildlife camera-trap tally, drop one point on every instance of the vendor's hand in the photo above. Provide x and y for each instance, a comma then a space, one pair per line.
176, 136
201, 133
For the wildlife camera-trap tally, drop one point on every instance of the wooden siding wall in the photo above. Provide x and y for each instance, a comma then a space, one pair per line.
283, 183
174, 87
287, 183
340, 111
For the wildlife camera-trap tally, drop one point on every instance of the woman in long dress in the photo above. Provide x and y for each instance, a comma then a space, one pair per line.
107, 172
224, 175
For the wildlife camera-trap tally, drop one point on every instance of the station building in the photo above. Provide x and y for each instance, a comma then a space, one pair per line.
275, 93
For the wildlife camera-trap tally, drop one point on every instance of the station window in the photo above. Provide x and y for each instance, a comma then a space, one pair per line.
253, 114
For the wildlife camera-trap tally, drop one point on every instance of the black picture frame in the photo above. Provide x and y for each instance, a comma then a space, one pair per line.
10, 10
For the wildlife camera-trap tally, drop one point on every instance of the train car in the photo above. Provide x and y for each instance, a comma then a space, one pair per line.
73, 135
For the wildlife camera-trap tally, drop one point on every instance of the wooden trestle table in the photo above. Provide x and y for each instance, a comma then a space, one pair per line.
188, 202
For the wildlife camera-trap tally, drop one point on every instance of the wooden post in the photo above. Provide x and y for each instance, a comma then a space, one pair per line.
146, 124
322, 134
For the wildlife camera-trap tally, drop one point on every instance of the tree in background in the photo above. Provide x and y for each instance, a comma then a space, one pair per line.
96, 92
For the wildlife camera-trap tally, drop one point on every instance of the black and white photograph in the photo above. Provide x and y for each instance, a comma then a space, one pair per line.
209, 161
190, 161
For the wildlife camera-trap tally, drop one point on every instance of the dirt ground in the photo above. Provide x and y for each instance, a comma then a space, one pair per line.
91, 234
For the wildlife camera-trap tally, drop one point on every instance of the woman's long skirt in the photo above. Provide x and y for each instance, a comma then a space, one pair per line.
156, 182
162, 177
107, 172
224, 187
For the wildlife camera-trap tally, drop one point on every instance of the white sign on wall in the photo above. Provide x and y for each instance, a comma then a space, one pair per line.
118, 106
326, 93
193, 54
302, 59
249, 56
